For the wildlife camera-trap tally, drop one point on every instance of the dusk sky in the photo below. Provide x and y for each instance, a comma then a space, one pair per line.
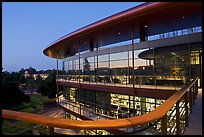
29, 27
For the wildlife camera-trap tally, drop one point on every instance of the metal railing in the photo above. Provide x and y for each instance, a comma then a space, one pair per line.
172, 115
140, 81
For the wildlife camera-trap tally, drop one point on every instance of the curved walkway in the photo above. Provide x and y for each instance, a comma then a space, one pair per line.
195, 118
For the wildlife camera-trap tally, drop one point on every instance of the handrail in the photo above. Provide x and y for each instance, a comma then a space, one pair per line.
50, 121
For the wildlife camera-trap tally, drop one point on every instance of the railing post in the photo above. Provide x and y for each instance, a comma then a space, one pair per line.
164, 125
193, 94
80, 107
50, 130
178, 130
190, 100
186, 108
196, 88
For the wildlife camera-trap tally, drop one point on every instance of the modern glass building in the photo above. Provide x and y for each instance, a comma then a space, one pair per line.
127, 65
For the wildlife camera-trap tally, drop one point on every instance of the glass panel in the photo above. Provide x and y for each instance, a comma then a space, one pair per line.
137, 52
102, 58
119, 64
194, 57
172, 65
119, 56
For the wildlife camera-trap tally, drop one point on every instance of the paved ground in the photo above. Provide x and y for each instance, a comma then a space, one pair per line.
58, 112
195, 119
55, 112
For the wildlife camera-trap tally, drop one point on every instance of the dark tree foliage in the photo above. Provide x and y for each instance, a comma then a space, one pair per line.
86, 64
11, 95
48, 87
42, 88
31, 70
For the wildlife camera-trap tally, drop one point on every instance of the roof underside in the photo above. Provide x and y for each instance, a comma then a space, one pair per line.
159, 17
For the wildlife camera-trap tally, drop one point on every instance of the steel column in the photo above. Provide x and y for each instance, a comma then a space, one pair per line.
190, 99
129, 105
178, 129
128, 68
57, 78
51, 130
164, 125
133, 58
97, 64
186, 108
196, 88
193, 94
133, 82
79, 62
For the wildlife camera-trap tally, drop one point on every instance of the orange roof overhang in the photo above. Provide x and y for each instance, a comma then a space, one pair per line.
159, 17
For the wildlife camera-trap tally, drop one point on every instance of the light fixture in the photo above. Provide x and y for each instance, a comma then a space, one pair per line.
145, 26
183, 17
118, 33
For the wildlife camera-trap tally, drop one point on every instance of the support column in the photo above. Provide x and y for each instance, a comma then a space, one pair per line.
51, 130
128, 68
97, 64
193, 94
196, 88
79, 63
109, 68
129, 105
143, 33
57, 79
154, 68
133, 82
186, 109
95, 101
79, 89
190, 99
164, 125
178, 130
133, 65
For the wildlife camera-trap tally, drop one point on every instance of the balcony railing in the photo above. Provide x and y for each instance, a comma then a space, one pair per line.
172, 115
141, 81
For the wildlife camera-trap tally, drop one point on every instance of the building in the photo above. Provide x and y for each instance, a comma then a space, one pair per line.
108, 79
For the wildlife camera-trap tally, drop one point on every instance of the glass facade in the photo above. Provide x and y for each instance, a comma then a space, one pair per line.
156, 67
160, 67
111, 104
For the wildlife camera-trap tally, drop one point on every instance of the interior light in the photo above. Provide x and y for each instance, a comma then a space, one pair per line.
118, 33
183, 17
145, 26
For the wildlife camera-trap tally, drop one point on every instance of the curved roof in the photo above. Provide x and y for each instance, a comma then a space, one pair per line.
159, 17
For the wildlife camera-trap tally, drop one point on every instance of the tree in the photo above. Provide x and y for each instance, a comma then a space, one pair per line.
48, 87
11, 94
86, 64
31, 71
51, 85
40, 72
22, 71
42, 88
22, 80
15, 76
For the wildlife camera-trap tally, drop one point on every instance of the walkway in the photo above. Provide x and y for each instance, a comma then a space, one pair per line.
126, 85
195, 119
89, 113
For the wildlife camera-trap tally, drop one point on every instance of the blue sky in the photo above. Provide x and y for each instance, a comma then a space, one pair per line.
29, 27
